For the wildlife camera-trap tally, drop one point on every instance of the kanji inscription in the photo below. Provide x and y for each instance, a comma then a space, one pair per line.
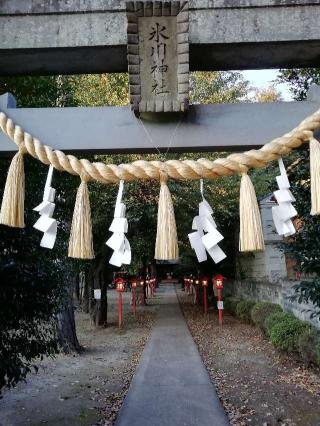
158, 56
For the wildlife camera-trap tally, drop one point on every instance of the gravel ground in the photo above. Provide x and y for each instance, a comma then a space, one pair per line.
256, 385
83, 389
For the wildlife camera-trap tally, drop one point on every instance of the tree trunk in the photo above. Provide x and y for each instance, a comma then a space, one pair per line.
76, 288
67, 327
99, 308
85, 292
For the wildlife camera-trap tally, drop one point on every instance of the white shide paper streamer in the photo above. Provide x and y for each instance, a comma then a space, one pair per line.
46, 223
284, 211
206, 237
119, 227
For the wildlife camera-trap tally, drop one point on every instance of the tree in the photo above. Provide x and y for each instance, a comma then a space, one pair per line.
300, 80
217, 87
270, 94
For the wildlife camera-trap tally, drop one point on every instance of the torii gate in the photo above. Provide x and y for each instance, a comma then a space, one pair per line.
222, 36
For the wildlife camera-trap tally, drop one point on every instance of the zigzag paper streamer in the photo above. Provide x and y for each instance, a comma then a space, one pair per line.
284, 211
119, 227
206, 237
46, 223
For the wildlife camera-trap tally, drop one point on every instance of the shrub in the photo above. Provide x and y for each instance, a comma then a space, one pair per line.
309, 345
285, 334
230, 305
243, 310
261, 311
274, 319
317, 352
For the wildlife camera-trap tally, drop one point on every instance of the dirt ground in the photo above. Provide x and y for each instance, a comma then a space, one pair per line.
256, 385
83, 389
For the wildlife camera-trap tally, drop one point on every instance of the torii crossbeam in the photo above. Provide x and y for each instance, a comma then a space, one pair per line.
219, 127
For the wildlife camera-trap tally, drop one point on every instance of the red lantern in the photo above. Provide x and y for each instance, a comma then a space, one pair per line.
120, 287
218, 281
134, 284
134, 299
204, 282
142, 299
218, 284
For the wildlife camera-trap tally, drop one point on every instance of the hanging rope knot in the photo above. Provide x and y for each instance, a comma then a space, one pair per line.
243, 169
18, 137
84, 176
22, 149
121, 175
163, 176
307, 135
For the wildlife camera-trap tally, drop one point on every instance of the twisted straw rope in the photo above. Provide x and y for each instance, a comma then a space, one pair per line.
175, 169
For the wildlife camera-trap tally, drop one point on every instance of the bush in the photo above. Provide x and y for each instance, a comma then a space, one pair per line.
317, 352
309, 346
261, 311
230, 305
274, 319
243, 310
285, 334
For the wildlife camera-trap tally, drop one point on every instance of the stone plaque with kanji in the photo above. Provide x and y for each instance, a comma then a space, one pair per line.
158, 55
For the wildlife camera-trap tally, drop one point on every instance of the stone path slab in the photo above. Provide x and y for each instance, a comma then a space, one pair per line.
171, 386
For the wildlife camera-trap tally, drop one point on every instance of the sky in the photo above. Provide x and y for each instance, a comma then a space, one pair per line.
264, 78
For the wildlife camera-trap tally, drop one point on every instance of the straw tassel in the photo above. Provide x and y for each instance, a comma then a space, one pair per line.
166, 241
251, 234
12, 207
81, 241
315, 176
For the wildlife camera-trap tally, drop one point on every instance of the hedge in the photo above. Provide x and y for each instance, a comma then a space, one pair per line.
261, 311
274, 319
243, 310
230, 305
286, 332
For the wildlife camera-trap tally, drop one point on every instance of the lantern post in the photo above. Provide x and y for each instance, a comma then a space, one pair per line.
141, 282
134, 299
197, 291
153, 286
120, 287
218, 284
187, 285
205, 301
192, 289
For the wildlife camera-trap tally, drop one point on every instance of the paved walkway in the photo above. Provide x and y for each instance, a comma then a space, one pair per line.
171, 386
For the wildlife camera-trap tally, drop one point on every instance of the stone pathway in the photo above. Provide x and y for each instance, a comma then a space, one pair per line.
171, 386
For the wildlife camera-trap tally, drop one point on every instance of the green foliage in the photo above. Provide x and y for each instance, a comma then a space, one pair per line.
230, 305
29, 297
308, 346
300, 80
285, 334
261, 311
274, 319
217, 87
32, 280
317, 352
243, 310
